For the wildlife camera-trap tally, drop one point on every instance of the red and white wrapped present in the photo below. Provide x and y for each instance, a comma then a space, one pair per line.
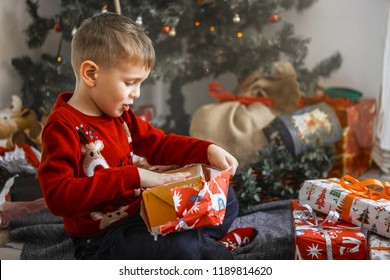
323, 237
197, 201
379, 247
363, 203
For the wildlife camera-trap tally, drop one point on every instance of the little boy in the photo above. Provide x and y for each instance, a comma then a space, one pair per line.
87, 173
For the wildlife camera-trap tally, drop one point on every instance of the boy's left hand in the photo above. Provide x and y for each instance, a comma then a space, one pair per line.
220, 158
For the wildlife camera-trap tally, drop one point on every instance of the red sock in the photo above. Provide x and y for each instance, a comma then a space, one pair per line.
238, 237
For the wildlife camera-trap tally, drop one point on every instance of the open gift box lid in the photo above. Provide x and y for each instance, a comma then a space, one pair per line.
158, 207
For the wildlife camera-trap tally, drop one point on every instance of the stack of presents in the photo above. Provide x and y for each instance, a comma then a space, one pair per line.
340, 217
356, 117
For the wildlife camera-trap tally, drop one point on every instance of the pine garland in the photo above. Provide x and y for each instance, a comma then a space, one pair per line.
277, 174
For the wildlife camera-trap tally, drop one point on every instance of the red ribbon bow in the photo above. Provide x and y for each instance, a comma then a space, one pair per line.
218, 92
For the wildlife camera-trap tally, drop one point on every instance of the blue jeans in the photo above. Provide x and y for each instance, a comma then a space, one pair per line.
132, 240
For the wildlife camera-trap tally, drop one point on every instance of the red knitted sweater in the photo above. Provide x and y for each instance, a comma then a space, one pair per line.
87, 174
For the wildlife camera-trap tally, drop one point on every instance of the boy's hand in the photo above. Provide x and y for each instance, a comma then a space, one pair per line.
152, 179
220, 158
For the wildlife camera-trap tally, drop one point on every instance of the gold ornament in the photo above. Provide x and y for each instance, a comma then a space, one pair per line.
172, 32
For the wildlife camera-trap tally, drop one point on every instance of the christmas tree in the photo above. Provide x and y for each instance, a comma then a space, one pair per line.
193, 40
320, 202
364, 217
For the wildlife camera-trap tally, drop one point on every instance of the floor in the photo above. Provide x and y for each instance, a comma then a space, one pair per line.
10, 250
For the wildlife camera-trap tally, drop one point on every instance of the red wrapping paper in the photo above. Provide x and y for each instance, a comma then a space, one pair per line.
196, 209
347, 242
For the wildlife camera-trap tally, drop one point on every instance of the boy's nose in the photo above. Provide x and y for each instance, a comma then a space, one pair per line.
135, 93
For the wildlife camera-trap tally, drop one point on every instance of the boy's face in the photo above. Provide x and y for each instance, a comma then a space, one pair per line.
117, 87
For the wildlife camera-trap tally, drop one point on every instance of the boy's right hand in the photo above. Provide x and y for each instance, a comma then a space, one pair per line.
151, 179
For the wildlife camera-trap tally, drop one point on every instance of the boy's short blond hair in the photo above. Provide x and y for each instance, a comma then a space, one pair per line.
108, 38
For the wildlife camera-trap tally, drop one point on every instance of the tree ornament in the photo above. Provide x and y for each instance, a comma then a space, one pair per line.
236, 18
57, 23
57, 27
172, 32
166, 29
213, 30
59, 58
274, 18
104, 9
138, 20
206, 66
74, 30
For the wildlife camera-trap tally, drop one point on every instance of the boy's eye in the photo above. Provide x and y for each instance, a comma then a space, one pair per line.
129, 83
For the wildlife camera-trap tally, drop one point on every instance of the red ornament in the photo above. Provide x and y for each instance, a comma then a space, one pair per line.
57, 27
274, 18
166, 29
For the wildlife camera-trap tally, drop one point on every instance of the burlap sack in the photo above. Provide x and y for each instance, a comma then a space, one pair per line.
236, 123
233, 126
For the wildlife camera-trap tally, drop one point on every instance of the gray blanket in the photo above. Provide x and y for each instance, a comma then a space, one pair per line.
273, 220
43, 236
45, 239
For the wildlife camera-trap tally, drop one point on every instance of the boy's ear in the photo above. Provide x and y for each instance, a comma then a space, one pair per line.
89, 72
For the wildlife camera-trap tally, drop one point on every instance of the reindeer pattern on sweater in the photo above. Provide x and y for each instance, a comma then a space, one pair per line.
91, 148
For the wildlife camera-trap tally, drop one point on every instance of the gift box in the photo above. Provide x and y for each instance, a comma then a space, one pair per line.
305, 128
197, 201
353, 150
378, 247
321, 237
363, 203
